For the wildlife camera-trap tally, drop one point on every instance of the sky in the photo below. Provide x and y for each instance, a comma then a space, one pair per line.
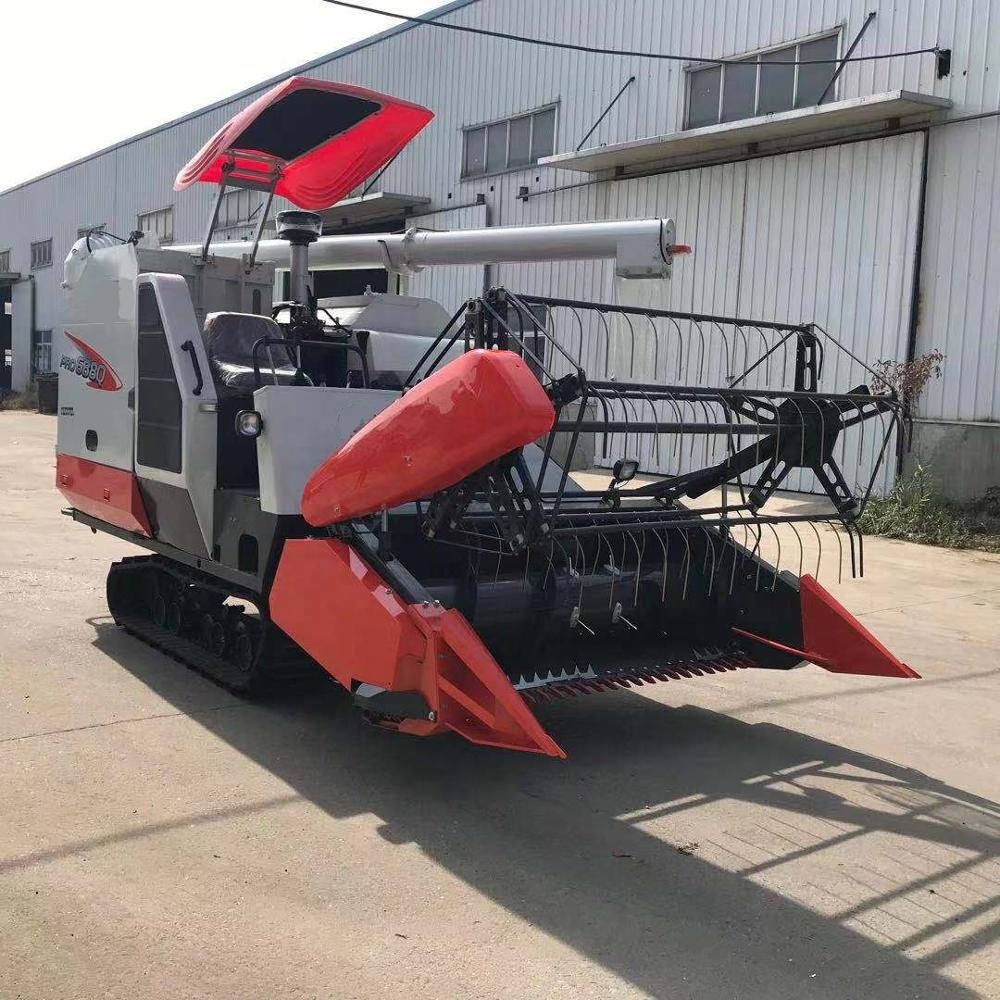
79, 75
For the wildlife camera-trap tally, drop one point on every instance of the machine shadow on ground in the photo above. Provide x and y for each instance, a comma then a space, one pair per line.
585, 849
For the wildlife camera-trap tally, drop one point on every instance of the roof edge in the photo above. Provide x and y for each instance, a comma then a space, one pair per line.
257, 88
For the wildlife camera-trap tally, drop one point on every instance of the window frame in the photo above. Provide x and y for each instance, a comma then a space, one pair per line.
165, 210
692, 69
507, 121
5, 261
32, 260
36, 344
232, 196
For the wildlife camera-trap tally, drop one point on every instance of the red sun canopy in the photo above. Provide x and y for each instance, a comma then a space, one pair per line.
318, 140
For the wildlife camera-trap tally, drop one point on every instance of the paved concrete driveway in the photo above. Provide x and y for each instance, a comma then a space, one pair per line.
752, 836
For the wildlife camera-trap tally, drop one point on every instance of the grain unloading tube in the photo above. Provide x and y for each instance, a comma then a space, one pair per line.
643, 248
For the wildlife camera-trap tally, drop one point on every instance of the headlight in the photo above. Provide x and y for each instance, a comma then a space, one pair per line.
249, 423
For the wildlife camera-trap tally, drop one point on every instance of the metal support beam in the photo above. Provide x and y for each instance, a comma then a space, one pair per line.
847, 55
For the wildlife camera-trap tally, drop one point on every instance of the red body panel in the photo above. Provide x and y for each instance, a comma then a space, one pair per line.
834, 639
323, 175
841, 642
471, 412
104, 492
351, 622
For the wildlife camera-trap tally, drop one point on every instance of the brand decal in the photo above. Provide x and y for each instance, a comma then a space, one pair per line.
91, 366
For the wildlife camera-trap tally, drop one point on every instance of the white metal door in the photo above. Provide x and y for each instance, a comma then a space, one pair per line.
830, 237
176, 436
825, 236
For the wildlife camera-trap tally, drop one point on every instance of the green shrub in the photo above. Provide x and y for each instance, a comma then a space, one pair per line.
914, 513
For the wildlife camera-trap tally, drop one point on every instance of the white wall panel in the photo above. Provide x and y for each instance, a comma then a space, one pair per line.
830, 238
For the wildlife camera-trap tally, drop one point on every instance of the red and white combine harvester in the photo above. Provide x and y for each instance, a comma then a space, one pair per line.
397, 495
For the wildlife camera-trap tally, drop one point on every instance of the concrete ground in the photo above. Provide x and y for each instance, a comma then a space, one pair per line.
748, 836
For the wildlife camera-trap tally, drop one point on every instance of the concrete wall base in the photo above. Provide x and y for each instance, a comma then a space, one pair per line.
962, 460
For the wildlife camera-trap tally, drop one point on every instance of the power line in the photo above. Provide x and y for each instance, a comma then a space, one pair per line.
596, 50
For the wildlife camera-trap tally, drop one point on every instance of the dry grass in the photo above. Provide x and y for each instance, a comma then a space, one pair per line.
25, 399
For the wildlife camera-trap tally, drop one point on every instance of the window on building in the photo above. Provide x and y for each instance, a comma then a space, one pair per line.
238, 208
509, 144
159, 223
4, 261
41, 254
41, 352
776, 80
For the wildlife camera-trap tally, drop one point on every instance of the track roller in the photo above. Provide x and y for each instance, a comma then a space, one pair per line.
185, 614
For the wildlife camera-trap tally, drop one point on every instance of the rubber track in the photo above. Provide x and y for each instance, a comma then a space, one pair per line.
278, 659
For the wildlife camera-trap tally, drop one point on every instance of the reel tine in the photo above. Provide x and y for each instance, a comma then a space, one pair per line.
687, 564
680, 350
728, 358
656, 348
834, 526
777, 561
631, 330
665, 545
819, 546
639, 553
798, 538
700, 378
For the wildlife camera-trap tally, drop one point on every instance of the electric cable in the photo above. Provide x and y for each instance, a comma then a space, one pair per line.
597, 50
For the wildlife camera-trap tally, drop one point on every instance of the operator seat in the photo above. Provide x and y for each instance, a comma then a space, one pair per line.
229, 340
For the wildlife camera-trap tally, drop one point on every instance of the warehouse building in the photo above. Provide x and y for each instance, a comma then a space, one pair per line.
858, 195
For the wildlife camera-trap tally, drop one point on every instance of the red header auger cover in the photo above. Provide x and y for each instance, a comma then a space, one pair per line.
320, 140
469, 413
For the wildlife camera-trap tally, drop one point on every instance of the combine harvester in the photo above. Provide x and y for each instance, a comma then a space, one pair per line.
371, 485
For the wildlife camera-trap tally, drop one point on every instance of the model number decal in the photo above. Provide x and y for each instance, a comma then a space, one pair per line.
89, 365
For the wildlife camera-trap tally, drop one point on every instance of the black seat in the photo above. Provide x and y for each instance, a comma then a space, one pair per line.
229, 339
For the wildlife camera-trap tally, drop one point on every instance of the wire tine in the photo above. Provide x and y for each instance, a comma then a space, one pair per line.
840, 553
603, 320
639, 553
680, 349
654, 457
739, 329
819, 546
798, 538
704, 355
665, 545
631, 329
656, 348
777, 562
687, 564
727, 374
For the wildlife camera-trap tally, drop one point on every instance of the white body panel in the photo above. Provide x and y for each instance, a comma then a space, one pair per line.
302, 428
99, 312
199, 442
399, 329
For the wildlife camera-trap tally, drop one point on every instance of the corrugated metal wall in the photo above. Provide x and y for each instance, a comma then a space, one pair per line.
467, 79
